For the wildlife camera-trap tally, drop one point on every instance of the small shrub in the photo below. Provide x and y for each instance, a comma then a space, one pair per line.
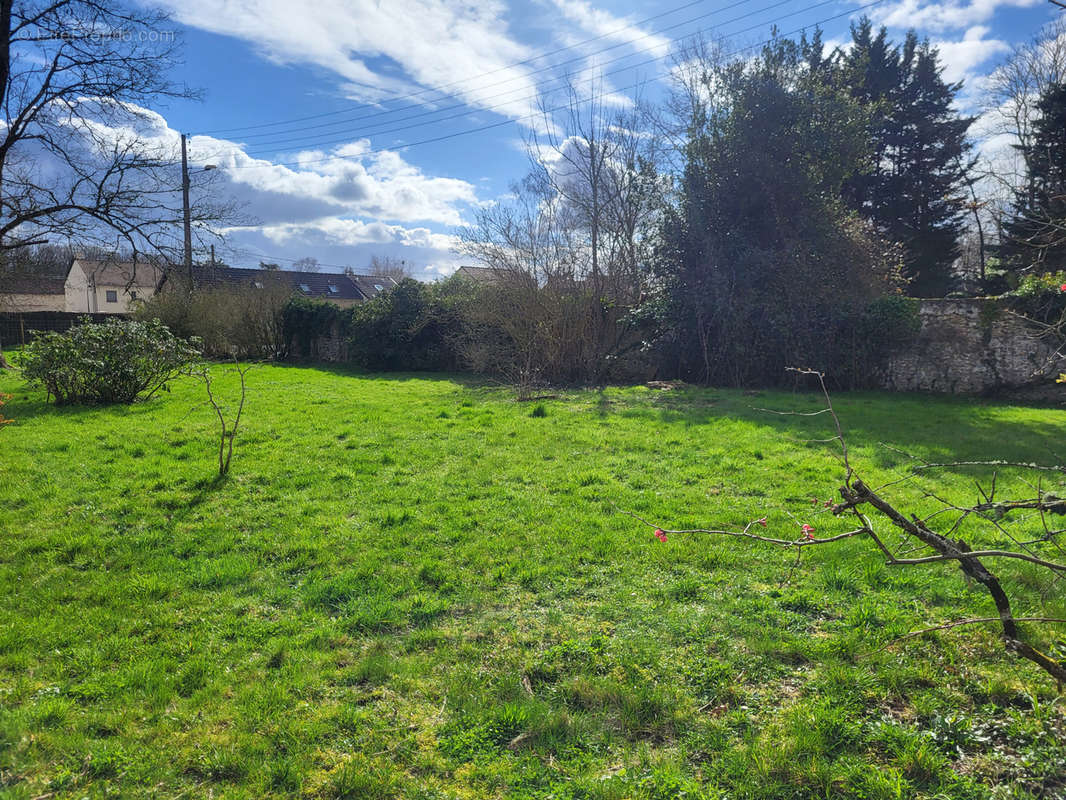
112, 362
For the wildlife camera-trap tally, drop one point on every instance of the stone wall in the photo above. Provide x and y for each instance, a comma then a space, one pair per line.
331, 349
970, 346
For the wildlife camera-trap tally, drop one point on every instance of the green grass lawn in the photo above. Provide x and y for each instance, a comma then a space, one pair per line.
412, 586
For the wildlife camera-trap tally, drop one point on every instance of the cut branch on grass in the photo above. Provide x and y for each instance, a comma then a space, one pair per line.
920, 536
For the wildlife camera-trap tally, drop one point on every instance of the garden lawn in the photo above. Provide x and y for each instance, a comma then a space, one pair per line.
412, 586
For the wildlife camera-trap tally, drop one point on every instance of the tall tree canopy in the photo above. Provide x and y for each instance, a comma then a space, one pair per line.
912, 187
762, 260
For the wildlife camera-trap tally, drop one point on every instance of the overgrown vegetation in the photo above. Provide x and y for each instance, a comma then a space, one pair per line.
229, 320
414, 588
116, 361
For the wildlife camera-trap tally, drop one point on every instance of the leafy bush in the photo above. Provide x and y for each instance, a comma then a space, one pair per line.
415, 326
1040, 297
112, 362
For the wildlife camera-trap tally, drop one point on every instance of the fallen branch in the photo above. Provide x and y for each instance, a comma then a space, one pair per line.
856, 497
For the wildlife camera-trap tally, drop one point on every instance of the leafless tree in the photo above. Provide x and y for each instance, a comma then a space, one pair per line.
82, 160
1014, 89
568, 248
307, 264
597, 163
390, 267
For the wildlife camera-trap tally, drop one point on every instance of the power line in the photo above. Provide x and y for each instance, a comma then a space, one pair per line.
272, 259
502, 123
525, 75
470, 78
259, 148
471, 110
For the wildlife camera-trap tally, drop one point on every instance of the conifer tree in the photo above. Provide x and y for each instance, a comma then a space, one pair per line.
1035, 239
911, 187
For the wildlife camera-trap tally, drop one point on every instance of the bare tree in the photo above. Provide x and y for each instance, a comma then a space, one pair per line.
567, 249
227, 431
390, 267
307, 264
81, 158
1014, 89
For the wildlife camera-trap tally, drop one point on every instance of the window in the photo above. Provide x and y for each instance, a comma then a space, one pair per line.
112, 296
133, 295
379, 287
258, 285
333, 289
305, 288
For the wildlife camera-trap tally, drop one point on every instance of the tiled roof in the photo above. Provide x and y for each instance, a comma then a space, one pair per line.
120, 274
484, 274
319, 285
372, 285
31, 284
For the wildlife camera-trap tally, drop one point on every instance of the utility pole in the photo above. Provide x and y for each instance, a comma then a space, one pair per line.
185, 210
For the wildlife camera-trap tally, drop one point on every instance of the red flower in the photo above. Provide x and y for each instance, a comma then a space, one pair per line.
808, 531
762, 521
660, 534
1062, 288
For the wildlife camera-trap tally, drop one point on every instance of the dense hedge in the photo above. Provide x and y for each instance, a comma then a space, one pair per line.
457, 325
416, 326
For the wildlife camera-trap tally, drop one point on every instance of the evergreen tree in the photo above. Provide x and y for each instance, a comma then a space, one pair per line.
1035, 239
911, 186
762, 262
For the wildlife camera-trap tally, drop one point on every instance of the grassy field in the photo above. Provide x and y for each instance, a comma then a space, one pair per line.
414, 587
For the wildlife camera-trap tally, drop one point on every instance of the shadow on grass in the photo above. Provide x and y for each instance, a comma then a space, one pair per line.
952, 428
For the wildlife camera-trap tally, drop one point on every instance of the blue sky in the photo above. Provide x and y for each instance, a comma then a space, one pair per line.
315, 111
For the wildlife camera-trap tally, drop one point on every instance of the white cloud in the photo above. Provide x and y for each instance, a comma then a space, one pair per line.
346, 179
960, 58
434, 42
948, 15
611, 28
351, 232
341, 205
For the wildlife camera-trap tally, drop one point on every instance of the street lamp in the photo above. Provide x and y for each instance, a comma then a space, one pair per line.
185, 207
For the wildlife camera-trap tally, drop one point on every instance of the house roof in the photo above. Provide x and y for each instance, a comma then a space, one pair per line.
318, 285
372, 285
119, 273
31, 284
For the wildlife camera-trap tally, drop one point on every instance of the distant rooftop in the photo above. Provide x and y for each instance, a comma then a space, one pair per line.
317, 285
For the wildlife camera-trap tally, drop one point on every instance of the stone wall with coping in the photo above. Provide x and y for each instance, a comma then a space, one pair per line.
970, 346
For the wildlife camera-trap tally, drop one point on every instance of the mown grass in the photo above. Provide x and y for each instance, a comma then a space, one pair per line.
413, 586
